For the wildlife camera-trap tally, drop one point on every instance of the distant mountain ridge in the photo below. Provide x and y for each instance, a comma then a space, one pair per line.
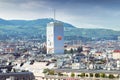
37, 29
38, 22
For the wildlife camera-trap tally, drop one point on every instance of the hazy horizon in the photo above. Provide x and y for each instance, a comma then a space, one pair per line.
79, 13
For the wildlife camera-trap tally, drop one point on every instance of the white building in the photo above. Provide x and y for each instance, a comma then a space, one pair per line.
75, 65
55, 38
116, 54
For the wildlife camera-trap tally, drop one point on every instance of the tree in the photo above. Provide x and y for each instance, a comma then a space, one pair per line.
82, 75
65, 51
111, 76
72, 74
51, 72
78, 75
45, 71
71, 51
91, 74
79, 49
97, 75
102, 75
60, 74
86, 75
118, 76
44, 50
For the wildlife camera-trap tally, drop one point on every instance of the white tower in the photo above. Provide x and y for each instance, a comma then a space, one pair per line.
55, 38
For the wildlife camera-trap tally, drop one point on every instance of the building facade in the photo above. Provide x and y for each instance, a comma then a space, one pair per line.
55, 38
116, 54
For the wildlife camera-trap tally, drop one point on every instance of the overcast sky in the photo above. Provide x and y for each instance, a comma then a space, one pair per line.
80, 13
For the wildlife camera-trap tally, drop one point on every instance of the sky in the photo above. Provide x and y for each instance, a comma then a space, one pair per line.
79, 13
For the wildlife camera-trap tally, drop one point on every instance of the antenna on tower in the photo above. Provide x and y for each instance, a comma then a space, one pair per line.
54, 14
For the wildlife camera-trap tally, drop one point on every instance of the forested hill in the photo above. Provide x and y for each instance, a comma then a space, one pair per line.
18, 29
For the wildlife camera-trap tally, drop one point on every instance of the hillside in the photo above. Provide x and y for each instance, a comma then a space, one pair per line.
27, 29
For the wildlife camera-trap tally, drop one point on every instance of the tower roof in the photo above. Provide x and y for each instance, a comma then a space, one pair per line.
56, 23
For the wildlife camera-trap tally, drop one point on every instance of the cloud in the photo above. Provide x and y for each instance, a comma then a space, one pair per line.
33, 5
87, 13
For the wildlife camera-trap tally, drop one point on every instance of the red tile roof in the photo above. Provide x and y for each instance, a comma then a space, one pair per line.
116, 51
